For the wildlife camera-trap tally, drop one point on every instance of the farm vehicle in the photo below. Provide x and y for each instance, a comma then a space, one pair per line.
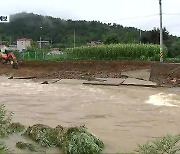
8, 57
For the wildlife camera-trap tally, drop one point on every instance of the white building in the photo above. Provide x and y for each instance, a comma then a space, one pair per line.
2, 48
23, 43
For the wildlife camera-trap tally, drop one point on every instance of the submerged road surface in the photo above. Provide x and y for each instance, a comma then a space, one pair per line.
120, 116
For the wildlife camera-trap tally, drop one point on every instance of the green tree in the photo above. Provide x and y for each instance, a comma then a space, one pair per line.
111, 39
62, 31
174, 50
153, 36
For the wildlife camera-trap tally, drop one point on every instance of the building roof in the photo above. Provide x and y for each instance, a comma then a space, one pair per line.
42, 41
2, 46
24, 39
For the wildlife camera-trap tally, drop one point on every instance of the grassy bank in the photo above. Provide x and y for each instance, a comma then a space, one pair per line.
172, 60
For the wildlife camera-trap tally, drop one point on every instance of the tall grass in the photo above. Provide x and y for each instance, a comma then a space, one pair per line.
172, 60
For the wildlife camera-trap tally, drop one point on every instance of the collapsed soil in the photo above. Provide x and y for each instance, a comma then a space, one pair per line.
73, 69
166, 74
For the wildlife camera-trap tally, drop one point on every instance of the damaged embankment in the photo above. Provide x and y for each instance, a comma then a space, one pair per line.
161, 73
73, 69
166, 73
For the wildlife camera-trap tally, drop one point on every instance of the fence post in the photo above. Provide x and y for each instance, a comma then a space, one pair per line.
43, 56
35, 56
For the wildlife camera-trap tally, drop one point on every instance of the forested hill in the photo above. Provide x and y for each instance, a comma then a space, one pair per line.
62, 31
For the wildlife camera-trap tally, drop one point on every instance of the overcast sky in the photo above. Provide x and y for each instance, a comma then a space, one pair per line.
141, 14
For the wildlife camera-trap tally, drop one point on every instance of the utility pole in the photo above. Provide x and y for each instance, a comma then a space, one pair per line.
10, 40
140, 33
0, 40
74, 38
40, 37
161, 32
51, 41
40, 43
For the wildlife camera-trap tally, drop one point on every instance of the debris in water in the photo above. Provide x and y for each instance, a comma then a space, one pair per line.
28, 146
45, 82
11, 77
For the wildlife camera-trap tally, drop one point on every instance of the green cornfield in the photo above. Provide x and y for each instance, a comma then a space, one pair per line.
116, 52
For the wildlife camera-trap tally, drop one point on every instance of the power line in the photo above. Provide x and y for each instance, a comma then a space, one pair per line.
133, 17
140, 17
173, 14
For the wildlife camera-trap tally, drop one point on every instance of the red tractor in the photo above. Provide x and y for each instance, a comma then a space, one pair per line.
8, 57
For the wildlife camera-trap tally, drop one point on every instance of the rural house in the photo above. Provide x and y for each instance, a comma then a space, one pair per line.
93, 43
23, 43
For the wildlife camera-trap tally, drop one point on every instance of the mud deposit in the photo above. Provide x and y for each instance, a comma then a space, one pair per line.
121, 116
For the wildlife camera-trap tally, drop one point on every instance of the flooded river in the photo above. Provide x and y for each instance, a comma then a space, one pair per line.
120, 116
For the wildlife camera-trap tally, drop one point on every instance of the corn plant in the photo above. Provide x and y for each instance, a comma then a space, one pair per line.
116, 52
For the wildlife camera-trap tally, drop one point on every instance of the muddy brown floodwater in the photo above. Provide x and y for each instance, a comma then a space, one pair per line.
120, 116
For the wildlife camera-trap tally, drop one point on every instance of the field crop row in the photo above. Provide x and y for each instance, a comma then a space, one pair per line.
116, 52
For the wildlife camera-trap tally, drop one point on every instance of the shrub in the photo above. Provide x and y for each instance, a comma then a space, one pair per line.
6, 126
76, 140
166, 145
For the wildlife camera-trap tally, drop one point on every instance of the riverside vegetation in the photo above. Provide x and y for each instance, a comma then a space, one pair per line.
72, 140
